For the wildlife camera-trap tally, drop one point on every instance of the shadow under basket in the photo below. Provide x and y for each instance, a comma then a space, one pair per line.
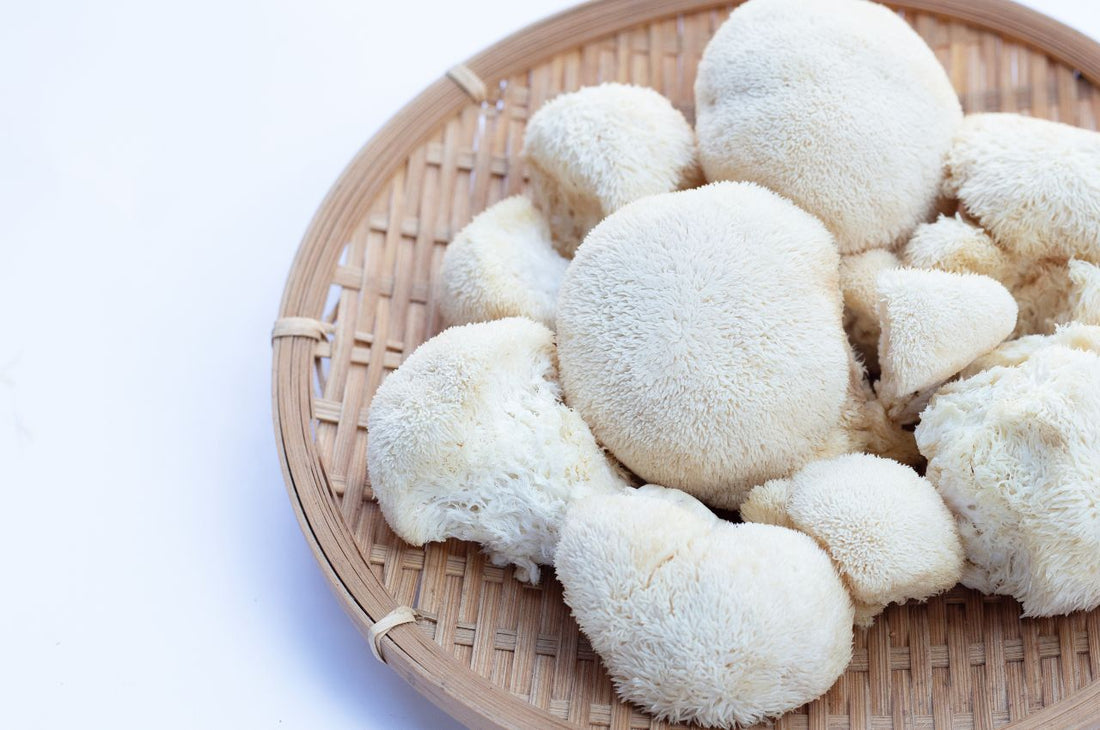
362, 294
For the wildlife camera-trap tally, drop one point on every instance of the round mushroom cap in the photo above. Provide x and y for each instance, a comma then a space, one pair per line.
700, 336
1034, 185
1015, 453
592, 151
502, 264
836, 104
701, 620
885, 527
469, 439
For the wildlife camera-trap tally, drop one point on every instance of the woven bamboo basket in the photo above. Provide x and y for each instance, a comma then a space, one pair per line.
362, 295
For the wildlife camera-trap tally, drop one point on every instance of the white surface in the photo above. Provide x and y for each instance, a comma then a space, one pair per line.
158, 165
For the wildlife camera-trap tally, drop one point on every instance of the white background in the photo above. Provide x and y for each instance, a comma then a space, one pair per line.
158, 165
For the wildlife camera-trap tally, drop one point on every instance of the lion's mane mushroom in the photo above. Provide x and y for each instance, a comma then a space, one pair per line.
838, 105
1084, 297
935, 323
469, 439
700, 337
858, 281
1034, 185
698, 619
1075, 336
1015, 452
1043, 288
886, 528
502, 264
592, 151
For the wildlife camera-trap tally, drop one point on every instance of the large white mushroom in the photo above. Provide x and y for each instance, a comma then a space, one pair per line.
838, 105
701, 620
886, 529
1015, 452
700, 337
502, 264
592, 151
1033, 184
469, 439
1084, 297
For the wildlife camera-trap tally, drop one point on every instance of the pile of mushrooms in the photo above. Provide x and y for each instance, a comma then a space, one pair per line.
874, 331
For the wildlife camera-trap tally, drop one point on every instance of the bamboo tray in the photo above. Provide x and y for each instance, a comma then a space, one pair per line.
362, 292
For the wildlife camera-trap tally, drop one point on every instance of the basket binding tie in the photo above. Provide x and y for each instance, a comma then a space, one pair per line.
396, 617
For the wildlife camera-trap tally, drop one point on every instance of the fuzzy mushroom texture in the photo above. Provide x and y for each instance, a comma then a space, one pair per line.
701, 620
1075, 336
836, 104
590, 152
502, 264
935, 323
1041, 288
469, 439
1034, 185
954, 244
1084, 298
1015, 453
858, 278
885, 527
700, 336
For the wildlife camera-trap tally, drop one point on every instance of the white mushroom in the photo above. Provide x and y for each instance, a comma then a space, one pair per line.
1034, 185
838, 105
592, 151
858, 281
957, 245
1074, 336
934, 324
700, 337
1084, 298
1015, 452
886, 528
1041, 287
701, 620
469, 439
502, 264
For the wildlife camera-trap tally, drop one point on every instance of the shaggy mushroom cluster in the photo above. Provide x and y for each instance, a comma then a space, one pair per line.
867, 322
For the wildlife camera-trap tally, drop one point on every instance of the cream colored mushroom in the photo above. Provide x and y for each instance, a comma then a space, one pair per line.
1015, 452
592, 151
1074, 336
469, 439
954, 244
502, 264
1034, 185
886, 528
1084, 299
701, 620
858, 281
700, 337
836, 104
934, 324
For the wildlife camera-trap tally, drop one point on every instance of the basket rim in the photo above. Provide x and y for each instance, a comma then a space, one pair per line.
418, 660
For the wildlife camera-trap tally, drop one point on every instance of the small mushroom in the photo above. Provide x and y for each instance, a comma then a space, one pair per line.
502, 264
1015, 453
858, 281
886, 528
592, 151
701, 620
469, 439
954, 244
1084, 298
1033, 184
700, 337
934, 324
836, 104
